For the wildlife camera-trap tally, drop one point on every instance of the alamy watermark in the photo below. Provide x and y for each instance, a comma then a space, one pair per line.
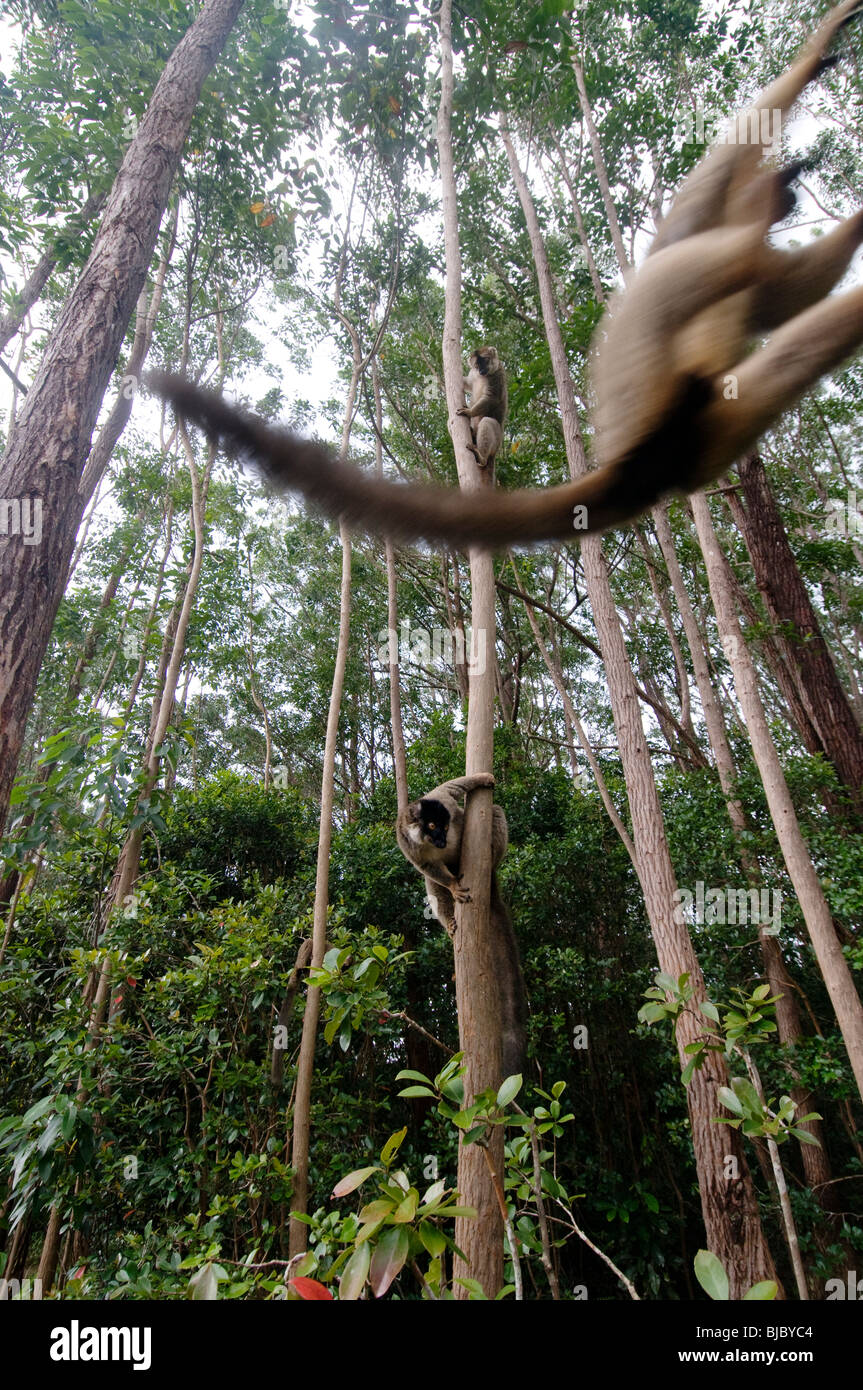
850, 1288
752, 127
20, 1290
844, 518
436, 646
730, 906
21, 516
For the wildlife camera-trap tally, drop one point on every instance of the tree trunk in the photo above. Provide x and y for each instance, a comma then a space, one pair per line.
301, 1138
51, 440
816, 1164
397, 727
24, 299
121, 411
128, 864
50, 1250
676, 651
789, 606
480, 1030
804, 879
599, 165
298, 1239
554, 670
286, 1011
728, 1200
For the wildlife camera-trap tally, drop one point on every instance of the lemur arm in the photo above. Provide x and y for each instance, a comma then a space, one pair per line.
478, 781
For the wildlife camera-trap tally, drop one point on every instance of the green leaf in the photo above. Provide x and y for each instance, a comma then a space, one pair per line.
470, 1136
393, 1144
805, 1137
204, 1286
37, 1111
747, 1094
433, 1239
763, 1292
353, 1180
689, 1071
388, 1259
367, 1231
475, 1288
407, 1210
509, 1090
354, 1274
711, 1276
377, 1210
652, 1013
726, 1097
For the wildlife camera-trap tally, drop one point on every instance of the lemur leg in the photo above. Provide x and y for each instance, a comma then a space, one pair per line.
773, 378
798, 279
441, 904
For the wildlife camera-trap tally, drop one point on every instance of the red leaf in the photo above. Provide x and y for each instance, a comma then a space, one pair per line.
310, 1288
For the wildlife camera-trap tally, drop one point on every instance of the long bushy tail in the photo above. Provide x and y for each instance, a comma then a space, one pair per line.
405, 511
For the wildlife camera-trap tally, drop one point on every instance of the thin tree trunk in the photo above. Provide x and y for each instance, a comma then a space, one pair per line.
816, 1164
480, 1030
19, 1248
728, 1200
24, 299
456, 614
143, 570
554, 670
52, 436
121, 411
257, 699
126, 873
73, 689
563, 164
286, 1009
789, 606
298, 1238
804, 879
50, 1249
396, 725
599, 165
677, 653
135, 684
301, 1137
775, 659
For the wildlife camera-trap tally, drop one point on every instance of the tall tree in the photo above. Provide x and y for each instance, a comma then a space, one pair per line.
728, 1201
51, 441
789, 606
475, 965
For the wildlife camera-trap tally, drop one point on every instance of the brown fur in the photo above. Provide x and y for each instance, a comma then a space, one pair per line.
440, 813
486, 382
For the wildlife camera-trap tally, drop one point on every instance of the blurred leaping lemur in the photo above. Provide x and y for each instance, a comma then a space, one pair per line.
673, 337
